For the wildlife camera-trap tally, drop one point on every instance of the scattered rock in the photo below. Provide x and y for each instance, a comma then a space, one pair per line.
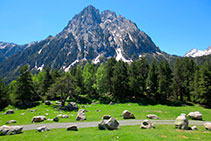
42, 129
38, 118
32, 111
208, 126
72, 106
58, 102
11, 121
56, 119
195, 115
22, 114
152, 116
194, 128
50, 119
82, 111
47, 102
10, 111
65, 116
146, 124
81, 116
127, 115
111, 124
98, 110
111, 103
181, 122
106, 117
10, 130
72, 128
46, 114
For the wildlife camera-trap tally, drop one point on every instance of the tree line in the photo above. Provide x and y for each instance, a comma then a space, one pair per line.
116, 81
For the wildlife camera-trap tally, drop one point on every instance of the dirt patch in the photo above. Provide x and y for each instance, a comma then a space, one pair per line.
181, 136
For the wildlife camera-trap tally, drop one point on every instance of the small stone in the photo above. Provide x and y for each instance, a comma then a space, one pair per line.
152, 116
146, 124
98, 110
56, 119
42, 129
208, 126
38, 118
111, 103
11, 121
194, 128
127, 115
106, 117
22, 114
195, 115
47, 102
10, 111
46, 114
72, 128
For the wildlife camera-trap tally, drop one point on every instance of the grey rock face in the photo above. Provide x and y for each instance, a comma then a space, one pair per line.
89, 36
146, 124
8, 130
181, 122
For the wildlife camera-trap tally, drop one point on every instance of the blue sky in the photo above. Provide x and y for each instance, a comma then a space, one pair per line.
175, 26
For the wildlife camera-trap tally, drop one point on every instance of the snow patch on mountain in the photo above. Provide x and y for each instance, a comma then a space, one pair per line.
198, 53
120, 56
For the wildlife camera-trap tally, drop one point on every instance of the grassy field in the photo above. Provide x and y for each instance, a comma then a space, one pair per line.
125, 133
164, 112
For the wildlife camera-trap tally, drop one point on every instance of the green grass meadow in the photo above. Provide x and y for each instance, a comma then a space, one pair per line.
162, 111
125, 133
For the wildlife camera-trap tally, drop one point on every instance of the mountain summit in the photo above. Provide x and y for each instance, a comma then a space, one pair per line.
90, 36
198, 53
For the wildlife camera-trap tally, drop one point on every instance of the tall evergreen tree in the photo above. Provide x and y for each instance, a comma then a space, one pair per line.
4, 97
144, 69
101, 80
47, 81
152, 80
25, 91
120, 81
89, 79
164, 80
109, 72
205, 84
79, 81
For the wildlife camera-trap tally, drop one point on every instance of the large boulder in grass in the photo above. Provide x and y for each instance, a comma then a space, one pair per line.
10, 111
72, 106
152, 116
38, 118
47, 102
195, 115
10, 130
127, 115
11, 121
181, 122
42, 129
110, 124
208, 126
72, 128
106, 117
146, 124
81, 116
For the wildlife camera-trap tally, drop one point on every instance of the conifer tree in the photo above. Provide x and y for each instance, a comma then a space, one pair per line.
4, 97
152, 80
164, 80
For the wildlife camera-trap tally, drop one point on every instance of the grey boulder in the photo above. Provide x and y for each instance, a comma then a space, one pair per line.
72, 128
208, 126
42, 129
110, 124
38, 118
127, 115
11, 121
10, 130
181, 122
152, 116
195, 115
146, 124
72, 106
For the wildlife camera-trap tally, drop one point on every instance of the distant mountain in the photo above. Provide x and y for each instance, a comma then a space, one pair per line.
198, 53
90, 36
9, 49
